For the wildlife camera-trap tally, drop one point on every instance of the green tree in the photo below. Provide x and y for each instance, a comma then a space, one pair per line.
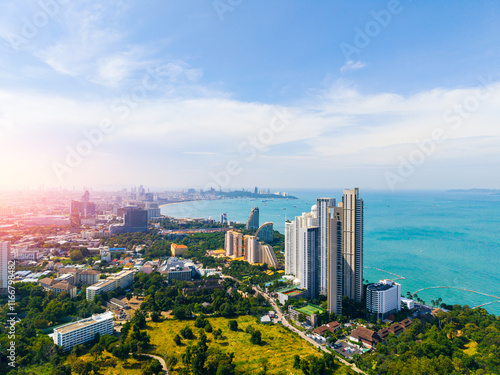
187, 333
233, 325
256, 337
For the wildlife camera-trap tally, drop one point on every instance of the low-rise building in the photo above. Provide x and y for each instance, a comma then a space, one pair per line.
87, 277
177, 249
81, 276
180, 273
83, 331
329, 327
295, 293
58, 287
365, 336
122, 279
147, 268
101, 287
408, 302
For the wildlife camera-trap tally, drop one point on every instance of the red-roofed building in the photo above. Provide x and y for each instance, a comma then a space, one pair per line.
366, 336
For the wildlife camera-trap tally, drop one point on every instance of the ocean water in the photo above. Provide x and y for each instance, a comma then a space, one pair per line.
432, 239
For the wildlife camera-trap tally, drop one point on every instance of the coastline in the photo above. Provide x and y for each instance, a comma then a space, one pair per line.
191, 200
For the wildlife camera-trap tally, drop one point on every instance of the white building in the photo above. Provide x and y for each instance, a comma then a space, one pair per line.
268, 255
251, 245
323, 205
83, 331
4, 263
309, 245
293, 249
99, 288
352, 240
410, 304
122, 279
383, 298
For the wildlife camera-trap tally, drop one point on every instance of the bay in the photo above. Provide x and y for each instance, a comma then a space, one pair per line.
431, 238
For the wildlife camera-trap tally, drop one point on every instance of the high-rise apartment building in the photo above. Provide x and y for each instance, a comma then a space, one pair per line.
135, 219
290, 248
323, 205
334, 260
253, 219
4, 264
309, 260
352, 251
383, 298
324, 249
233, 244
251, 244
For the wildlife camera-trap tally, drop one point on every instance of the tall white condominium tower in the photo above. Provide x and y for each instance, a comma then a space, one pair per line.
335, 260
290, 248
4, 263
323, 204
353, 245
293, 250
309, 254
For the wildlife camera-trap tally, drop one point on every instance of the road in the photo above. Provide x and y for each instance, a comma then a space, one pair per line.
285, 323
160, 359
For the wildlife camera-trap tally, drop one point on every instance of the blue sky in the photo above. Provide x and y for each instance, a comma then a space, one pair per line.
188, 84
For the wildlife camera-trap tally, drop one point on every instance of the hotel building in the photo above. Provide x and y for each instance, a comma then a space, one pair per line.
83, 330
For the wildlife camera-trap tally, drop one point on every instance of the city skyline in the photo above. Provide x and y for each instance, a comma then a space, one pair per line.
384, 95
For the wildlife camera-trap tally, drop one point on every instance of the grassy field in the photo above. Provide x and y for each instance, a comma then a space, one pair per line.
109, 365
310, 309
278, 348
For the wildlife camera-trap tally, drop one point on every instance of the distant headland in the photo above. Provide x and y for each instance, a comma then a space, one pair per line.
249, 194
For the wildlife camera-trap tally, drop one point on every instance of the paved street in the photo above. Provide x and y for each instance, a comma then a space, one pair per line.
285, 323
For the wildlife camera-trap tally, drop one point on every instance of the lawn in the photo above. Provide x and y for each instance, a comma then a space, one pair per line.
278, 348
310, 309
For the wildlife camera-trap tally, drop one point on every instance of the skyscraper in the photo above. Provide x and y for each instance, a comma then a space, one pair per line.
324, 249
4, 264
290, 249
323, 204
309, 257
352, 251
233, 244
228, 243
334, 260
251, 244
293, 249
253, 219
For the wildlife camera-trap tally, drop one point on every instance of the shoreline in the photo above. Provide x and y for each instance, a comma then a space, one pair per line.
192, 200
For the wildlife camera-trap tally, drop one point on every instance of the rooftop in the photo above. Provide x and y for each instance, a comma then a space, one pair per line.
84, 322
381, 286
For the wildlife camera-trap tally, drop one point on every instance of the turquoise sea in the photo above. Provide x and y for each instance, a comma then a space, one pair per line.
431, 239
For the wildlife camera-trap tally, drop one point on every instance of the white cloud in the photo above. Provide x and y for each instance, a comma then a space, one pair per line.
352, 65
343, 129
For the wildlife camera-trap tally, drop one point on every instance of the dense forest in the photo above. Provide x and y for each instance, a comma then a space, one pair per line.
461, 341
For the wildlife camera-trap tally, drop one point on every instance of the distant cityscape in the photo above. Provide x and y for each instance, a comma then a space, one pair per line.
101, 248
